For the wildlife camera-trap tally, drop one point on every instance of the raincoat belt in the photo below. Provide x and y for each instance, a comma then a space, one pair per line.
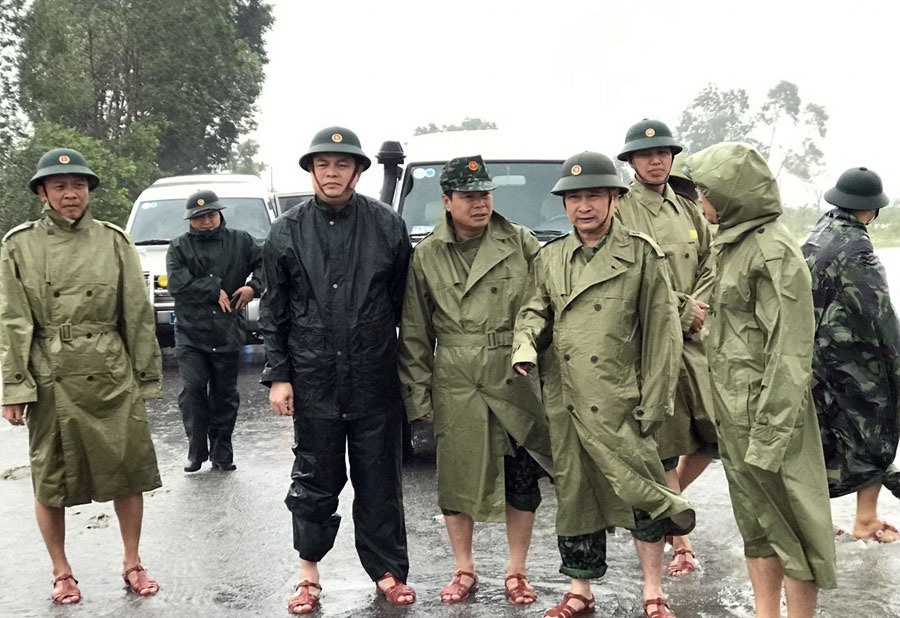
489, 340
67, 331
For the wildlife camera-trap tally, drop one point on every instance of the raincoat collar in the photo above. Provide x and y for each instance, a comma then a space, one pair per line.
652, 200
328, 211
64, 223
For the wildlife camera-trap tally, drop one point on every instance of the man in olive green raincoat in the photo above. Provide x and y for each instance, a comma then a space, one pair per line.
602, 300
760, 347
676, 224
465, 285
79, 355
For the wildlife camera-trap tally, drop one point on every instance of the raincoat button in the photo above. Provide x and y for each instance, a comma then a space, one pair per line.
339, 353
597, 307
493, 290
90, 378
594, 359
89, 335
334, 285
687, 256
89, 293
566, 357
57, 379
595, 409
55, 294
331, 223
761, 230
142, 374
18, 376
509, 380
570, 407
640, 413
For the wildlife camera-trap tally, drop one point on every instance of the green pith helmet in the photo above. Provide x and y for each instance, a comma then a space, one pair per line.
337, 140
679, 180
201, 203
60, 161
588, 170
648, 134
466, 174
858, 188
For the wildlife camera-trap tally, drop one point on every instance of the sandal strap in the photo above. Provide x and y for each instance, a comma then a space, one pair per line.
684, 550
64, 577
564, 610
659, 602
305, 597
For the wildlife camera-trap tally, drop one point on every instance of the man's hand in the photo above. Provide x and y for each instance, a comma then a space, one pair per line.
241, 297
14, 413
523, 368
699, 317
224, 303
281, 398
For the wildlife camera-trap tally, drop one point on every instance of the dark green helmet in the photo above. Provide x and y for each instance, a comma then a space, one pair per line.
466, 174
858, 188
201, 203
60, 161
338, 140
648, 134
680, 182
588, 170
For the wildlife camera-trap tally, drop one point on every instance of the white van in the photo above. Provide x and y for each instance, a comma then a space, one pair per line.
158, 216
524, 168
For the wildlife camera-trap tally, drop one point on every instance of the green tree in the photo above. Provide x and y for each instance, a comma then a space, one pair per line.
784, 129
192, 70
242, 159
468, 124
123, 172
11, 14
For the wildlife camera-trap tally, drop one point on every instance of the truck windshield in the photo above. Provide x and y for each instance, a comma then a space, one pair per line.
163, 220
522, 195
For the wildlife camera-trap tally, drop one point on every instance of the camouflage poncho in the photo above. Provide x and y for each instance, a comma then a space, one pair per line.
856, 364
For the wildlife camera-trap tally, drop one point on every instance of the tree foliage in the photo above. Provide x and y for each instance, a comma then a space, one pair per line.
242, 159
784, 129
11, 14
468, 124
191, 70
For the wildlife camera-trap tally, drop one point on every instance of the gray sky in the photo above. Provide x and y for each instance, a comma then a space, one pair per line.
581, 68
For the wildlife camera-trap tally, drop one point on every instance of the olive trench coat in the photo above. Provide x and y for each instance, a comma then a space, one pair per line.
608, 384
78, 345
681, 231
760, 347
455, 344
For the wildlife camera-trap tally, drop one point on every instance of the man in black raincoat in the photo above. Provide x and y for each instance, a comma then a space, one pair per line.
335, 267
856, 364
208, 268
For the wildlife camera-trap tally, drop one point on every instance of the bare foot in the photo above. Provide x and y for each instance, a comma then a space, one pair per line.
878, 530
518, 590
306, 598
65, 590
395, 591
460, 586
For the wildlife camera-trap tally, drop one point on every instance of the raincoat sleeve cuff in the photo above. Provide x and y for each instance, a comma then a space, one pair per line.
270, 374
417, 402
767, 447
18, 388
651, 418
524, 354
687, 309
151, 389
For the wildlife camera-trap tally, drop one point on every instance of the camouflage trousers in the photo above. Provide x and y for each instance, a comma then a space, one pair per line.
584, 556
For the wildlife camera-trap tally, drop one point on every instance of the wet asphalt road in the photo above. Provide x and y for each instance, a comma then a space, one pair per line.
220, 543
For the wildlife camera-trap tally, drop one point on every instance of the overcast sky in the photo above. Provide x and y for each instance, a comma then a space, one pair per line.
586, 69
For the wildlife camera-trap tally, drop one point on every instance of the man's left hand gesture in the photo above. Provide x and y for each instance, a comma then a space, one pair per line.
241, 297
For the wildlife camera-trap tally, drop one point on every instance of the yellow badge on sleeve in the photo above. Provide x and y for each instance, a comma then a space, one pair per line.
694, 234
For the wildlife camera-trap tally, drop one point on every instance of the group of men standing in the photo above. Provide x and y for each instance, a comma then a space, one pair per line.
618, 360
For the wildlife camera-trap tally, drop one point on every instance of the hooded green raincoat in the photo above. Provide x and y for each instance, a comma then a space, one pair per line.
679, 228
610, 377
78, 345
455, 342
760, 346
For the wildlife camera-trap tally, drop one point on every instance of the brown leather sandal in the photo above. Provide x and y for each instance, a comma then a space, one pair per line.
456, 587
68, 594
520, 590
681, 566
393, 593
564, 610
662, 608
304, 598
143, 582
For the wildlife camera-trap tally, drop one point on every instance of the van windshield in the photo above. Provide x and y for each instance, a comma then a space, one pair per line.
522, 195
163, 220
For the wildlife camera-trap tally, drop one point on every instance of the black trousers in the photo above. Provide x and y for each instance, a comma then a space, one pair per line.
209, 402
372, 445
